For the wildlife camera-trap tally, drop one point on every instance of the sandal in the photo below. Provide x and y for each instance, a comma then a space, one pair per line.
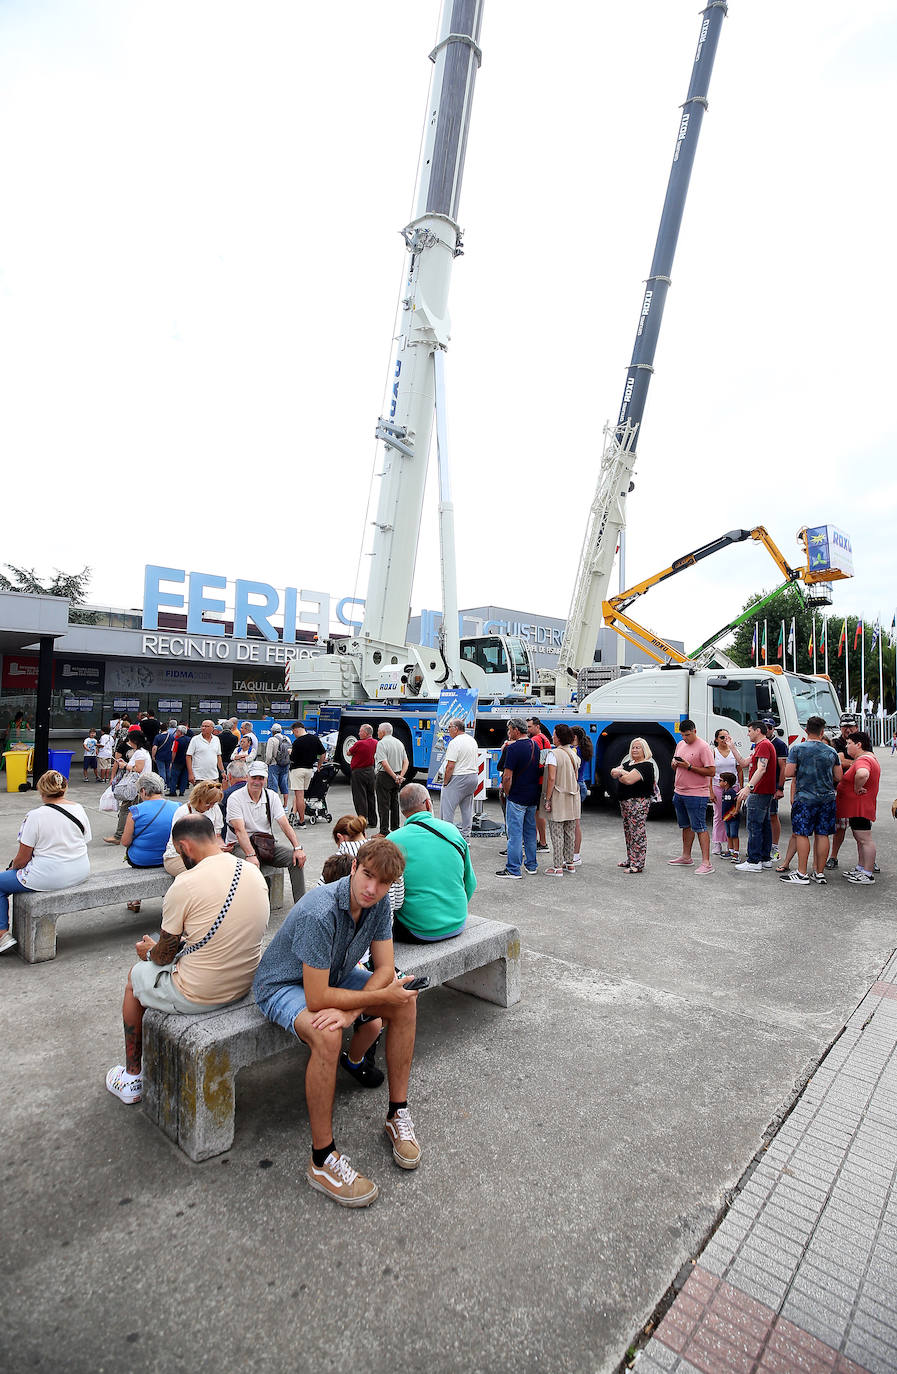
110, 839
554, 873
783, 868
635, 870
133, 906
624, 863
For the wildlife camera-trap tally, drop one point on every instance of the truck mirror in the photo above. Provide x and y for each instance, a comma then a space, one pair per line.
720, 682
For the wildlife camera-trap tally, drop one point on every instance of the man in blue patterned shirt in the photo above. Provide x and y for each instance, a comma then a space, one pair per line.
310, 982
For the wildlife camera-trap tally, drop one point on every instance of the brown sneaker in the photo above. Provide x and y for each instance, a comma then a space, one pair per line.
339, 1180
405, 1149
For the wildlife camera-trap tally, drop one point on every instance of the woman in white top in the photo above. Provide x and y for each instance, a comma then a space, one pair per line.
726, 759
204, 800
139, 762
52, 851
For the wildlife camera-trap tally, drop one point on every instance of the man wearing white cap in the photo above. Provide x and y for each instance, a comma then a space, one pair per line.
255, 810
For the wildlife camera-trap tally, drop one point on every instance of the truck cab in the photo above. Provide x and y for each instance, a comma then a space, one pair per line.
497, 665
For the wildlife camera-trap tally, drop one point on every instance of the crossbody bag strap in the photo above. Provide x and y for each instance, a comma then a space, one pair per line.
54, 806
191, 949
146, 827
423, 825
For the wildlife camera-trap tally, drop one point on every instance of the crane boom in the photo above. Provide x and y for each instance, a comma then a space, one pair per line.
607, 513
433, 240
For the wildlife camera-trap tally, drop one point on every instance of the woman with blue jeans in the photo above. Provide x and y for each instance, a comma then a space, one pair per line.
52, 852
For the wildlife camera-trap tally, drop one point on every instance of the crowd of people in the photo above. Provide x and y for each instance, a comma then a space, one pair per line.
331, 966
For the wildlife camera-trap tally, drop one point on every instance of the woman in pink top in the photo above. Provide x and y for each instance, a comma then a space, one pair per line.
856, 803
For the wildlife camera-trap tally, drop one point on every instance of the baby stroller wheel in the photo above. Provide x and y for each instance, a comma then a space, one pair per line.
327, 817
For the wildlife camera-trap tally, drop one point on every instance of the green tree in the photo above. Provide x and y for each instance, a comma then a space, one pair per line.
788, 603
71, 585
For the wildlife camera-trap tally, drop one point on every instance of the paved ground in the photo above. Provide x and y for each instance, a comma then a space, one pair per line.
579, 1148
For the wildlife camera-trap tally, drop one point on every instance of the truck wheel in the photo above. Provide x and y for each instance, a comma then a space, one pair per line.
662, 754
403, 734
341, 755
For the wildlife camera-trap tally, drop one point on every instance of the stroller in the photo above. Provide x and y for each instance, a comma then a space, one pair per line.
316, 793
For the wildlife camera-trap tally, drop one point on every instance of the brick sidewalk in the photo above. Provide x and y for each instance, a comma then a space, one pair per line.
802, 1273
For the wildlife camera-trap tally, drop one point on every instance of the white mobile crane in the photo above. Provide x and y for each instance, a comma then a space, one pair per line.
378, 663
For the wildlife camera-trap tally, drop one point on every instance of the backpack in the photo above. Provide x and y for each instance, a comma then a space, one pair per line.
282, 757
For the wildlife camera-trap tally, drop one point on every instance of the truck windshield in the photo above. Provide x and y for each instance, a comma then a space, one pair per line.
487, 653
813, 698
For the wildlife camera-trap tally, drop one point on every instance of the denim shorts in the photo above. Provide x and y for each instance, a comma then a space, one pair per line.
284, 1004
732, 827
813, 817
691, 812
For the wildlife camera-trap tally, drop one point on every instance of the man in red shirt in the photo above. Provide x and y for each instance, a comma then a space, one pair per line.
361, 757
756, 796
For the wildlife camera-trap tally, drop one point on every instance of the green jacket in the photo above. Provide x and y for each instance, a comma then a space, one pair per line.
439, 877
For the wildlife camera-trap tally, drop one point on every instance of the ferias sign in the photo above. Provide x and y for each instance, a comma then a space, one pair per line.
253, 601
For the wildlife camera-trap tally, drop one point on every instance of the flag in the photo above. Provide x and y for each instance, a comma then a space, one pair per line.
843, 640
812, 643
791, 637
894, 622
765, 649
781, 641
875, 633
859, 631
754, 643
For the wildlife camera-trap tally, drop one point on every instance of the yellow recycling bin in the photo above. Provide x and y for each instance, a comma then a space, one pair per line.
16, 768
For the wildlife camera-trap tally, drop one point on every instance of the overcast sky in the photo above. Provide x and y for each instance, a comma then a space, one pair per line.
200, 262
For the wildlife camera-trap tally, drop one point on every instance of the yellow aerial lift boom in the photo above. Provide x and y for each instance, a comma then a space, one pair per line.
662, 652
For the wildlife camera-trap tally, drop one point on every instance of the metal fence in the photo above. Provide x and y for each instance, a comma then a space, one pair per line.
881, 728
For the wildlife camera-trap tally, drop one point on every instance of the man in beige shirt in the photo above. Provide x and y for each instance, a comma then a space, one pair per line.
391, 765
217, 891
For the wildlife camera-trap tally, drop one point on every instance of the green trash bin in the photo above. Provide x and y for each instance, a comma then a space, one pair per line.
16, 768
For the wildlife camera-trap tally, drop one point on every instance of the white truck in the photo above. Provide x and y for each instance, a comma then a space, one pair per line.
654, 702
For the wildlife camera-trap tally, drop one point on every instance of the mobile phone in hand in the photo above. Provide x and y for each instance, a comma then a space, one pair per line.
417, 984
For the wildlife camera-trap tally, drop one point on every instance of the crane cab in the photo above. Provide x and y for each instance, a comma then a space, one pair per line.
497, 665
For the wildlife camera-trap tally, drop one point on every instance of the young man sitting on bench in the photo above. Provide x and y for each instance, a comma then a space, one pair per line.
310, 982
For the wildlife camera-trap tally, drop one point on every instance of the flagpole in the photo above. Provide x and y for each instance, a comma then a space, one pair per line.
863, 672
881, 681
825, 638
846, 666
793, 644
765, 642
814, 643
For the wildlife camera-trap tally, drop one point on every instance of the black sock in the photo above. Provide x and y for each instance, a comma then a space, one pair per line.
320, 1155
393, 1108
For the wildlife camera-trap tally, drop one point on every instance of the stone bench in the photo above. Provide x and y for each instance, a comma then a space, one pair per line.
34, 914
190, 1063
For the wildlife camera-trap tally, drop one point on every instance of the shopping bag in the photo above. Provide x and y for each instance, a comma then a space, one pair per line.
107, 801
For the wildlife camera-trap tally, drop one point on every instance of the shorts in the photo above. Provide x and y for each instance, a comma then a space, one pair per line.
300, 778
733, 827
286, 1002
90, 761
859, 823
154, 987
813, 817
774, 806
691, 812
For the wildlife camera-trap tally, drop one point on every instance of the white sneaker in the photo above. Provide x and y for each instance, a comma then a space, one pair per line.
577, 859
766, 863
748, 868
7, 941
126, 1086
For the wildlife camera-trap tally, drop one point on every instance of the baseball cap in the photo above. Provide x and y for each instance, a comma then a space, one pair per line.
768, 720
258, 770
276, 729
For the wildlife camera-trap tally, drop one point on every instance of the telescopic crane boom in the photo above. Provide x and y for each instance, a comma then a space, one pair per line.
607, 516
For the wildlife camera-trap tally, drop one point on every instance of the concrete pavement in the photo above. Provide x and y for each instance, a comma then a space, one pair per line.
580, 1147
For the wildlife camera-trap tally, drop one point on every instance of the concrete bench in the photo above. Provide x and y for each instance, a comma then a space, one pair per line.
190, 1063
34, 914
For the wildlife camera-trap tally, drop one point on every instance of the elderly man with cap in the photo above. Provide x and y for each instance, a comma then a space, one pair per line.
256, 810
277, 757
